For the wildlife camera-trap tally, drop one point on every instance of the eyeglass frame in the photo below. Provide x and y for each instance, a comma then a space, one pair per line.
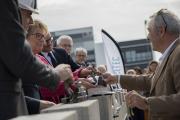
160, 13
42, 36
49, 39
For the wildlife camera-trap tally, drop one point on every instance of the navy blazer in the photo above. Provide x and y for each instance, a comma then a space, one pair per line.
60, 56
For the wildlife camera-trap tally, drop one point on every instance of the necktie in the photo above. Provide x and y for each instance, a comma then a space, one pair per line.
53, 59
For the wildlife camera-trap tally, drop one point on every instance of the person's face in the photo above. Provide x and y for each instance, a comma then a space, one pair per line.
66, 44
80, 57
48, 44
154, 36
36, 40
26, 18
101, 69
152, 67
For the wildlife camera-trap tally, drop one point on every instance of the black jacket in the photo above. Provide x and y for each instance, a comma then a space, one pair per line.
33, 105
17, 63
60, 56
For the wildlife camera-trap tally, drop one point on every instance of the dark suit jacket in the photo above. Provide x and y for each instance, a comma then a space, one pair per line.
33, 105
61, 57
164, 86
17, 63
31, 90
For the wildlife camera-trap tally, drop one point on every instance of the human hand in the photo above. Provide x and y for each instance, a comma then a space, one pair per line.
64, 71
133, 99
109, 78
45, 104
86, 83
85, 72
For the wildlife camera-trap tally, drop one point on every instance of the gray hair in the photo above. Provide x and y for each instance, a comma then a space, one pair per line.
167, 19
63, 37
80, 49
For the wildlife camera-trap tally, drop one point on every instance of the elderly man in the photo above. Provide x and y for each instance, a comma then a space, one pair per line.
164, 85
81, 57
65, 42
17, 63
56, 56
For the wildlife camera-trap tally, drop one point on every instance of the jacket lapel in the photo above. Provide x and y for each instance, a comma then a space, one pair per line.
161, 67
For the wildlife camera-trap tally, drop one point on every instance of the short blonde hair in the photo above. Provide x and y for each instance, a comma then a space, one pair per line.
37, 24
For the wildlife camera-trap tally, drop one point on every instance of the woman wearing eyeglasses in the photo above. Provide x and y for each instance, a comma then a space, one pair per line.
36, 38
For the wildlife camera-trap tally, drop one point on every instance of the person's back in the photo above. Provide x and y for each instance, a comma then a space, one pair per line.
10, 83
17, 62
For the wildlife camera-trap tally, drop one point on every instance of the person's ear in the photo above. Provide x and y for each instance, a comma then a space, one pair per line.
162, 31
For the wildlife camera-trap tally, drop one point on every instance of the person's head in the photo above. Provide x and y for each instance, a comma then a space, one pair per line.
138, 70
80, 55
27, 7
36, 36
152, 66
48, 44
65, 42
163, 28
102, 69
131, 72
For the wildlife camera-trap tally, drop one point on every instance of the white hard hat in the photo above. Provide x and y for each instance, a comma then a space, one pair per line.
28, 5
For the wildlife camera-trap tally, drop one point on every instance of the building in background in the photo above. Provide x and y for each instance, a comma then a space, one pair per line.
82, 37
135, 52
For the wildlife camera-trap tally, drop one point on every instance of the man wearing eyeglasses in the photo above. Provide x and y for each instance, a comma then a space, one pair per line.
17, 64
164, 85
56, 56
81, 57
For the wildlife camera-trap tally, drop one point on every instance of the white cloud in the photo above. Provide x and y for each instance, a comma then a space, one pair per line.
123, 19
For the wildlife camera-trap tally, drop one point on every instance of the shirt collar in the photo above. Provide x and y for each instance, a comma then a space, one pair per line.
45, 53
166, 51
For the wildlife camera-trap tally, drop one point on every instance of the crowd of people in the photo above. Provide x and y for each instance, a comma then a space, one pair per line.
34, 72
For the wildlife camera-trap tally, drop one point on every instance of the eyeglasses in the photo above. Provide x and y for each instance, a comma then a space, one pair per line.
38, 36
50, 39
160, 13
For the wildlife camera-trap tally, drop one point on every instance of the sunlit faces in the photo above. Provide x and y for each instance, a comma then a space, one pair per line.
81, 57
153, 36
26, 18
66, 44
48, 44
36, 40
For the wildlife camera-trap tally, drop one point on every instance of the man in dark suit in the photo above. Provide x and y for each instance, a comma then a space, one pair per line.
164, 85
56, 56
17, 62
